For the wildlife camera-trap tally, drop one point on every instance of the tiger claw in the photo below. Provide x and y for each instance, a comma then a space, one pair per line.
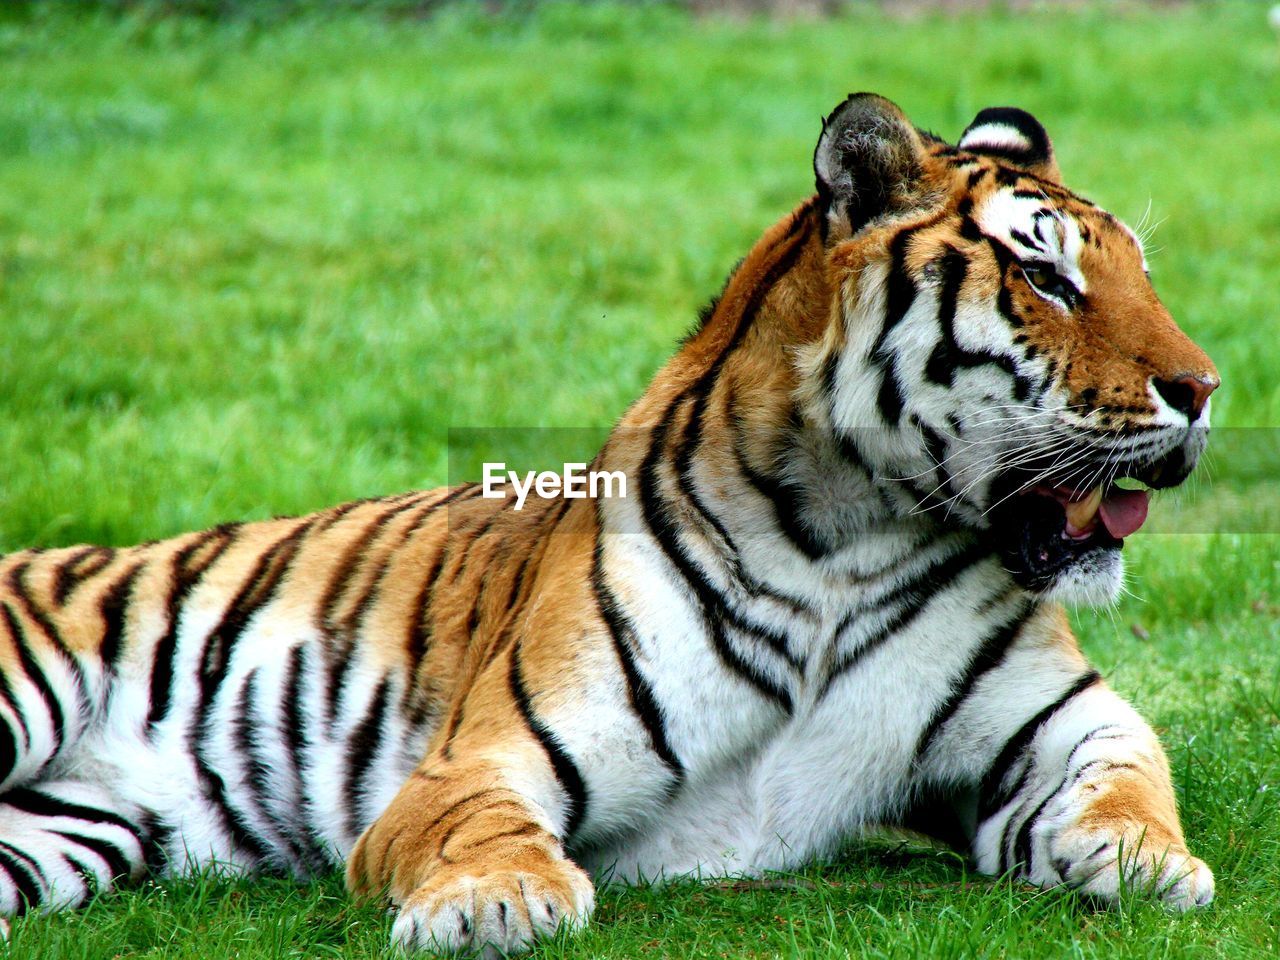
495, 914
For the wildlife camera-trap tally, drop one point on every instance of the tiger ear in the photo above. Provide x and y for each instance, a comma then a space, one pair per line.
1014, 136
867, 163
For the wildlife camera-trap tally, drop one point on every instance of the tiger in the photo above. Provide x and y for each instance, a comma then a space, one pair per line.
923, 414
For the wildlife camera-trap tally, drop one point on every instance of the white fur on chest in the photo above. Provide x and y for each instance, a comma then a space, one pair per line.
767, 791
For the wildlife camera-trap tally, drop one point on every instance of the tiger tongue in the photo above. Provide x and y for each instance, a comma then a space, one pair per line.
1123, 511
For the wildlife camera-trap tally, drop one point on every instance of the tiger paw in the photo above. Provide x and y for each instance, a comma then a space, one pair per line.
1105, 866
494, 913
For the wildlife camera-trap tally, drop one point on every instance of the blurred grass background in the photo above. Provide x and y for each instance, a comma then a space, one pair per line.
260, 258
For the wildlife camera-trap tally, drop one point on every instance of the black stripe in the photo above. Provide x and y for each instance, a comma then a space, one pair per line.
690, 442
7, 695
184, 579
942, 362
566, 772
88, 876
830, 367
797, 233
117, 860
420, 631
786, 506
710, 603
949, 355
900, 294
14, 862
18, 584
8, 751
989, 655
233, 821
297, 744
157, 837
115, 610
257, 768
82, 565
362, 748
1004, 298
64, 576
990, 795
639, 690
501, 636
936, 446
329, 518
1025, 240
890, 398
474, 537
293, 730
851, 453
517, 582
42, 804
338, 653
350, 565
912, 596
1041, 217
356, 619
1008, 177
708, 309
497, 559
1020, 852
341, 635
255, 593
33, 671
1040, 194
786, 500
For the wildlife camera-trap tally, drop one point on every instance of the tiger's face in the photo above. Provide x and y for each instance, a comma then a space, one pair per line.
998, 350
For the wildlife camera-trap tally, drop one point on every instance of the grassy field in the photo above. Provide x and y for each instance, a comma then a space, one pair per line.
249, 269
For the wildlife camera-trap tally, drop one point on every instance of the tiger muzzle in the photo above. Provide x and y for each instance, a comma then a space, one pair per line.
1043, 527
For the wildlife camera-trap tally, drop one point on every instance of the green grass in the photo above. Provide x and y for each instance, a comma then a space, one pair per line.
255, 268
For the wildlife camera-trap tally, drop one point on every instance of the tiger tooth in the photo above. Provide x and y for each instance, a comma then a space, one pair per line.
1080, 513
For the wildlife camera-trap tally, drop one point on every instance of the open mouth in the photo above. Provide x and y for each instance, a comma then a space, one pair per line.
1041, 529
1117, 512
1045, 529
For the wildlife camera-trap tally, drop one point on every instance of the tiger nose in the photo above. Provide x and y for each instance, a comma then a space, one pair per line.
1186, 393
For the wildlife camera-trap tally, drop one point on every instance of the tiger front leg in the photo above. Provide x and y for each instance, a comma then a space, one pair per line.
470, 849
1081, 796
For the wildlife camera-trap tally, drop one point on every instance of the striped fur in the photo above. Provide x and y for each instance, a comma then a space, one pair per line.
794, 626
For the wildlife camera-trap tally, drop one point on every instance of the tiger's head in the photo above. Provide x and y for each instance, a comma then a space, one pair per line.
996, 348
